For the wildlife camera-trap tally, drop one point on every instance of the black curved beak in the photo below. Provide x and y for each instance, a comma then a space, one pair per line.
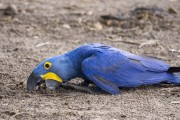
33, 81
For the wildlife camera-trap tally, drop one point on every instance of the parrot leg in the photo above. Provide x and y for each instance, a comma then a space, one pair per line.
80, 88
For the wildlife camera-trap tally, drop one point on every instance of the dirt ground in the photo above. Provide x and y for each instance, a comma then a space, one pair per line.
32, 30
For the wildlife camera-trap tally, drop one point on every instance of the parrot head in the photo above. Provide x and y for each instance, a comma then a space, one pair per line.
53, 71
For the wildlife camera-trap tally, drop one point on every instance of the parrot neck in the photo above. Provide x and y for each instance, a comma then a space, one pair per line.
78, 55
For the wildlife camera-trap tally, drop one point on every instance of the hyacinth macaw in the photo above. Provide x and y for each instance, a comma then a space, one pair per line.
106, 67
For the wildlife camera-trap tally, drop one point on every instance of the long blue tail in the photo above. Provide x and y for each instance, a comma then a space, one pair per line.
175, 71
176, 79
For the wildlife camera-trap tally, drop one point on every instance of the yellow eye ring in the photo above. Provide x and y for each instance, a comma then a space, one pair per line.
47, 65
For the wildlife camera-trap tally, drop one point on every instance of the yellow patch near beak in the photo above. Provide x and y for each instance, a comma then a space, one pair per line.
51, 76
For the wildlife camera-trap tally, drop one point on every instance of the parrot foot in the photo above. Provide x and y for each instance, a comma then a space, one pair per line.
80, 88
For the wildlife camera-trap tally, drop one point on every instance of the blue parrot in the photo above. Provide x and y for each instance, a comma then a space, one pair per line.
106, 67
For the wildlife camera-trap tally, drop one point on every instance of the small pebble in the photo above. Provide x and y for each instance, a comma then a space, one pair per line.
67, 26
11, 10
98, 26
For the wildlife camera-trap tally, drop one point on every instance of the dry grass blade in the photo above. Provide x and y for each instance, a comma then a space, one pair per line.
17, 114
174, 51
149, 42
42, 44
128, 42
175, 102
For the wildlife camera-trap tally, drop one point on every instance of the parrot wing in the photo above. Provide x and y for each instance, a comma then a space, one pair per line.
112, 69
109, 70
150, 63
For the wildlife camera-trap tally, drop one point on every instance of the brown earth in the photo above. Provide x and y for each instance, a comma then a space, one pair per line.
32, 30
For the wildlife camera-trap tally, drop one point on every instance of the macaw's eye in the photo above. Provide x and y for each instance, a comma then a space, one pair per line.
47, 65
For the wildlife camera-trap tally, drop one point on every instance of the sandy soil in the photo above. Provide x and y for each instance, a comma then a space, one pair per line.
32, 30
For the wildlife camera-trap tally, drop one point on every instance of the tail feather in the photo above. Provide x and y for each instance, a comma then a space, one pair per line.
175, 79
173, 69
